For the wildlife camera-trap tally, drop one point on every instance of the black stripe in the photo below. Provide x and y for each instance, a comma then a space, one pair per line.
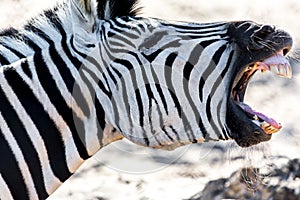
25, 144
168, 77
3, 60
224, 136
159, 90
58, 61
72, 42
167, 134
111, 76
38, 32
141, 107
162, 96
191, 36
14, 51
168, 71
109, 69
54, 95
10, 171
215, 86
138, 98
194, 26
209, 69
69, 80
44, 124
188, 68
25, 67
192, 61
100, 112
56, 98
215, 61
114, 34
151, 57
201, 85
122, 83
124, 63
153, 40
129, 29
175, 132
31, 44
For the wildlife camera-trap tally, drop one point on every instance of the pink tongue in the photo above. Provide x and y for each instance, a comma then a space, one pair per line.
276, 59
263, 117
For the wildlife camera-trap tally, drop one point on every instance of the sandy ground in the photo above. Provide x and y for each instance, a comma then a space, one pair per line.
126, 171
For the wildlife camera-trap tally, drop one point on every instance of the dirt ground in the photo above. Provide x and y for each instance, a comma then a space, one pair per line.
126, 171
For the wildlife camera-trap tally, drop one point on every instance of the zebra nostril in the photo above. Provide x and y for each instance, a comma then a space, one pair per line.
264, 32
261, 36
267, 29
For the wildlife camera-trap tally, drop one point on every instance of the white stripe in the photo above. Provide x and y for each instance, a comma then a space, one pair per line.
196, 75
51, 181
220, 94
5, 193
72, 156
90, 124
173, 118
61, 84
20, 158
10, 56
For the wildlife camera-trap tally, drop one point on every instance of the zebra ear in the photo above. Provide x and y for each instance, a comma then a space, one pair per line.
84, 15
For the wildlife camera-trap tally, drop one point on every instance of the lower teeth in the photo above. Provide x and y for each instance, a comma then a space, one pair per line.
268, 128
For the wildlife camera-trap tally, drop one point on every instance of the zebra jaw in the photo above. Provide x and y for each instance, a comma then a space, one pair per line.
277, 64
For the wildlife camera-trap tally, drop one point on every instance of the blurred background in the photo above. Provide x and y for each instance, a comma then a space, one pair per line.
207, 171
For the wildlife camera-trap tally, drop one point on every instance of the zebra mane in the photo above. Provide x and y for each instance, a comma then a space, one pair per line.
108, 9
50, 21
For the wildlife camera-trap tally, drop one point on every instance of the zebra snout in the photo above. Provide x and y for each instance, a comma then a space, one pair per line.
266, 35
261, 36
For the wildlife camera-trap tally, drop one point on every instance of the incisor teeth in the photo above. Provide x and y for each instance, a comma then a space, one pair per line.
274, 69
283, 70
268, 128
289, 71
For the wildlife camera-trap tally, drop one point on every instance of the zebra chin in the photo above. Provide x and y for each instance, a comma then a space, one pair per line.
265, 50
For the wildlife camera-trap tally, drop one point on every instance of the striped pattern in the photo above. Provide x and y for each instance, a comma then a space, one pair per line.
170, 84
71, 83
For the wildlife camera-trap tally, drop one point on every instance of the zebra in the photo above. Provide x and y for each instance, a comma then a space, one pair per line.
87, 73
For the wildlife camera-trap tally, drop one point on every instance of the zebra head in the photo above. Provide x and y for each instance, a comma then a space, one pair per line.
261, 48
175, 83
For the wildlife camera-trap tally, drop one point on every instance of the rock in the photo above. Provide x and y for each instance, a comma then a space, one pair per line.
249, 183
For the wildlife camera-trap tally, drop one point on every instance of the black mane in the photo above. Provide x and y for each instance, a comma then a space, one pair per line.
118, 8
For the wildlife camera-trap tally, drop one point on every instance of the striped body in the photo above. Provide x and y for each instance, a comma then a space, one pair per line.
71, 83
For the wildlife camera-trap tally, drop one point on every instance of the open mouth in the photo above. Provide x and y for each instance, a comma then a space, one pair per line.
278, 64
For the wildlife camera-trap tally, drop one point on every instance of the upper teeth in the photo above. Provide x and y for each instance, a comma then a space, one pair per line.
283, 70
277, 64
